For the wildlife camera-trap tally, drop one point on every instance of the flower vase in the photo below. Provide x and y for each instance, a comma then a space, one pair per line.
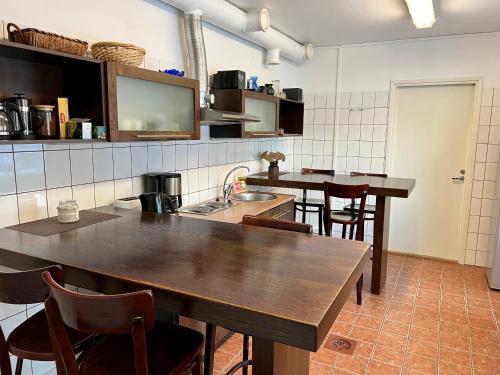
273, 170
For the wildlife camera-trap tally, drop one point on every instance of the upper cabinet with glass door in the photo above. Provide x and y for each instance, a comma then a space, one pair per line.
264, 106
148, 105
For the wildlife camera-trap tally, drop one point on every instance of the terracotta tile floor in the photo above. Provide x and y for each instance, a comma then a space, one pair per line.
432, 317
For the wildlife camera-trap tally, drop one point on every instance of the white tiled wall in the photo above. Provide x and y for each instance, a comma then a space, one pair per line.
484, 210
34, 178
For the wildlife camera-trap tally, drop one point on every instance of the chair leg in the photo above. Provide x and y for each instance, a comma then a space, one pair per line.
246, 344
209, 349
303, 214
359, 289
320, 221
351, 232
19, 366
344, 229
196, 370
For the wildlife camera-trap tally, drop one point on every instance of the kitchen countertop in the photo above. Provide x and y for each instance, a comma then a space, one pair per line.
235, 213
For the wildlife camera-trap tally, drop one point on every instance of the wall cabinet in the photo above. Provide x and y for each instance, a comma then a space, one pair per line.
245, 101
148, 105
274, 112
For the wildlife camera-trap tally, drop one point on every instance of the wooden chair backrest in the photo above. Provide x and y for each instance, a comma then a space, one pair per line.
268, 222
100, 314
360, 192
24, 287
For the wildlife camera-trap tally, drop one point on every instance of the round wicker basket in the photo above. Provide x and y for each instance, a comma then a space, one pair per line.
121, 53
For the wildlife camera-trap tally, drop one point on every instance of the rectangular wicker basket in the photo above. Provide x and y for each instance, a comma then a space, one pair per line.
44, 39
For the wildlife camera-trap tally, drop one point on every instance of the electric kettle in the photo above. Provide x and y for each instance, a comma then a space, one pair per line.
7, 126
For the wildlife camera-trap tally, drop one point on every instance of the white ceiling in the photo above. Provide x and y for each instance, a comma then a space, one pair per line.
336, 22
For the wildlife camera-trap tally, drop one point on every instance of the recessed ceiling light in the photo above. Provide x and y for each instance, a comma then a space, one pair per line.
422, 13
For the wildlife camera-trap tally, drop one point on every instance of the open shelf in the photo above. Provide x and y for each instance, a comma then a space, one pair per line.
44, 75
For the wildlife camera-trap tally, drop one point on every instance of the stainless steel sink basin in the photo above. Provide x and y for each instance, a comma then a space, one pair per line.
254, 197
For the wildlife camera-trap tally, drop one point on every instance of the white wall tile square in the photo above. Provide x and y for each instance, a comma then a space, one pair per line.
481, 151
319, 132
169, 160
381, 99
103, 164
82, 171
479, 171
493, 153
9, 214
122, 162
344, 99
140, 159
487, 97
356, 99
221, 153
483, 134
212, 154
203, 155
496, 97
485, 116
123, 188
309, 116
193, 183
495, 116
369, 99
138, 186
7, 174
104, 193
193, 156
56, 195
30, 171
155, 159
355, 117
84, 196
32, 206
380, 117
494, 137
57, 169
319, 116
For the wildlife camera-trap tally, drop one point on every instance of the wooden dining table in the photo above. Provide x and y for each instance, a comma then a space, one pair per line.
284, 289
382, 188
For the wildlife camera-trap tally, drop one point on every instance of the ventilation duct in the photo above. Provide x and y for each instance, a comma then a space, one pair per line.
230, 18
195, 42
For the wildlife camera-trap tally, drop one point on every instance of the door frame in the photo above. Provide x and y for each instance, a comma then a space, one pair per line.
471, 142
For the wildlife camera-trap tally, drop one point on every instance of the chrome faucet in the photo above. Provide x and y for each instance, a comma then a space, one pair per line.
226, 189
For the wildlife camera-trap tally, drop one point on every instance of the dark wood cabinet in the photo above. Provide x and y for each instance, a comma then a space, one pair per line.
274, 112
246, 101
44, 75
148, 105
283, 212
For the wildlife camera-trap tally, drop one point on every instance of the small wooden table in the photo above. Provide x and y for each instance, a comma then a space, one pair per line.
285, 289
382, 188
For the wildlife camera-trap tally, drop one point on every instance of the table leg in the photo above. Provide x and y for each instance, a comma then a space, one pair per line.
273, 358
380, 242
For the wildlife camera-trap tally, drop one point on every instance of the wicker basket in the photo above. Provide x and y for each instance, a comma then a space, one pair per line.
121, 53
44, 39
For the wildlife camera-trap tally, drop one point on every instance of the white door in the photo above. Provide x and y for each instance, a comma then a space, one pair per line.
429, 141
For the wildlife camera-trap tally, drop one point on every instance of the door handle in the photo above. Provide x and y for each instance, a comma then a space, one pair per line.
461, 178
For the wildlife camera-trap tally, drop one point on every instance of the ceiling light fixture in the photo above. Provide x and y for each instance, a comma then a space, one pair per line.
422, 13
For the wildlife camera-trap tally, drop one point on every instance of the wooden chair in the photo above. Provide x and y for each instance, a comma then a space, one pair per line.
346, 218
310, 205
135, 343
257, 221
369, 208
31, 339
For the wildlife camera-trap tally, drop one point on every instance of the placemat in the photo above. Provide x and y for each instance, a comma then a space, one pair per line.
50, 226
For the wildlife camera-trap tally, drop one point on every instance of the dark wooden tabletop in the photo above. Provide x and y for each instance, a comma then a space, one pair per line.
282, 286
388, 187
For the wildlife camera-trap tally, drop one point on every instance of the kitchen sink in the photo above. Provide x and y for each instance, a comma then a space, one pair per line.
207, 208
254, 197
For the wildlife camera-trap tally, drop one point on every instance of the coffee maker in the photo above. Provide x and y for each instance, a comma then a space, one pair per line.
21, 116
167, 183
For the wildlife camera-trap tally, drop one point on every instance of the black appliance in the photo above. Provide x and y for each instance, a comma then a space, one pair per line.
21, 117
168, 183
293, 94
229, 79
159, 203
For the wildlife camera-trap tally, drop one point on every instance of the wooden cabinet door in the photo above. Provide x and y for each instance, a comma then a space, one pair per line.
147, 105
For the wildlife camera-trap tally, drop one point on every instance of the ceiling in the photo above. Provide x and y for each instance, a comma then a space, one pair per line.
337, 22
